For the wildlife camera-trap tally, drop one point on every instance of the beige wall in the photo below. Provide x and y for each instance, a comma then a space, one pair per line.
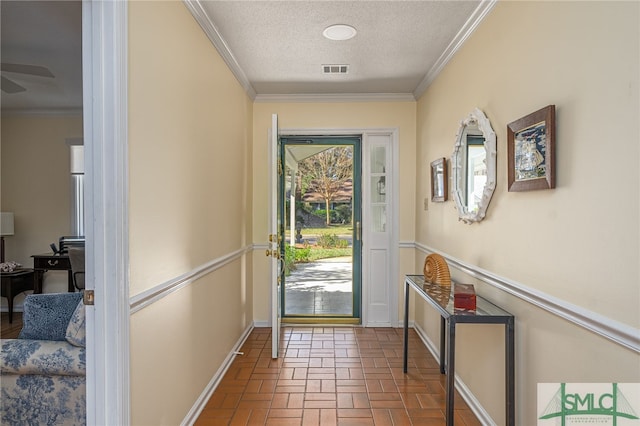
578, 242
36, 187
334, 116
189, 204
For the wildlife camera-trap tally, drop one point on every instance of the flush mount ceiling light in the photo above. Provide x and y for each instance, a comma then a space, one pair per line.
339, 32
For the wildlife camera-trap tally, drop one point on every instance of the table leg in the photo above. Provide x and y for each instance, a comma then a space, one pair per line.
70, 286
10, 297
509, 345
37, 282
450, 387
406, 327
443, 333
38, 278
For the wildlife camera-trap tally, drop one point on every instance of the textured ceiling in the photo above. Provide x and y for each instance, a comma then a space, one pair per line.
273, 47
280, 48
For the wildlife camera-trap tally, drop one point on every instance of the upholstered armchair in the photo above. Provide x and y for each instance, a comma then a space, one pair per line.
43, 370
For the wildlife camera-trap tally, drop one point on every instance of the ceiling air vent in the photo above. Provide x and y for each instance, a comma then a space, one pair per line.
335, 69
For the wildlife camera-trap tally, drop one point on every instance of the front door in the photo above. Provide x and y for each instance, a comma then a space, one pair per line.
322, 229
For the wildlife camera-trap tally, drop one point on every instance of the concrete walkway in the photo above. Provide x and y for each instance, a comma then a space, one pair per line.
323, 287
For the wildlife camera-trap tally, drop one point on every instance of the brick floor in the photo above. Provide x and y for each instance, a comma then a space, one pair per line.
332, 376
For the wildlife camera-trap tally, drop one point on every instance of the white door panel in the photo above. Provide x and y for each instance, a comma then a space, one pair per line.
274, 248
379, 288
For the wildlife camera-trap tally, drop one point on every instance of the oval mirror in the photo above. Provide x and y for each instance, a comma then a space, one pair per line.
473, 167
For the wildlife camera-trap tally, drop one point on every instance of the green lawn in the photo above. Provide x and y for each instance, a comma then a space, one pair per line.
322, 253
333, 229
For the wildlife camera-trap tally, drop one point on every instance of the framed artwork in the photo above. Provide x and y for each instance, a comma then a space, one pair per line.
439, 180
531, 151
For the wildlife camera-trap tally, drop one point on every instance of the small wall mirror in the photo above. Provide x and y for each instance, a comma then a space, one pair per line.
473, 167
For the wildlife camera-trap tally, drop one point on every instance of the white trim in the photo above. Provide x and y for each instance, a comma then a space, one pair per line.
338, 132
36, 112
460, 386
617, 332
465, 32
387, 324
198, 12
335, 97
204, 397
260, 246
407, 244
394, 314
105, 97
261, 324
152, 295
74, 141
16, 308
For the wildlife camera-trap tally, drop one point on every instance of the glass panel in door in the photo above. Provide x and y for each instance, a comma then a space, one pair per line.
322, 236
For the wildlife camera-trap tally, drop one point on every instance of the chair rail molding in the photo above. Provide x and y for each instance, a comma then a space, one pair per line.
152, 295
617, 332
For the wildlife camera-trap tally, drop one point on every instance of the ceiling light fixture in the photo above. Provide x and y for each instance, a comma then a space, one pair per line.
339, 32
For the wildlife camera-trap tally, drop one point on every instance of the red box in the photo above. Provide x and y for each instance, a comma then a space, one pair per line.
464, 297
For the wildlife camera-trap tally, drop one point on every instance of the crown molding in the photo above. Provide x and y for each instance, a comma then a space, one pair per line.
198, 12
465, 32
335, 97
196, 9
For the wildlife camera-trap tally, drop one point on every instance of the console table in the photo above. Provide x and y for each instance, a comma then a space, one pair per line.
441, 298
53, 262
14, 283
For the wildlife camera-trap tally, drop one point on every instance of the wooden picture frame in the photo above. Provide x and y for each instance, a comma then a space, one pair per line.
531, 150
439, 180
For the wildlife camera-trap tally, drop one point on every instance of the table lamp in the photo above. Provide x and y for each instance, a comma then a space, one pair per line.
6, 228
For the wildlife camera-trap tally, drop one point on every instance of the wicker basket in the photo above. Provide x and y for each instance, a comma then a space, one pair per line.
436, 270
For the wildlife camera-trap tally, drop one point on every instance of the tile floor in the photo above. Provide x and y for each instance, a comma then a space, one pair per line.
332, 376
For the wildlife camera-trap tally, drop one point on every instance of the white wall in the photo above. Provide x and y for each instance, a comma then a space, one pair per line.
578, 243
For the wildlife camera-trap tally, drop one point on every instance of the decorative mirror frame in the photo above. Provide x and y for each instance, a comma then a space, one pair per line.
458, 169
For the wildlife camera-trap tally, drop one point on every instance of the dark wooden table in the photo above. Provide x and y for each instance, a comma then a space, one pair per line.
53, 262
16, 282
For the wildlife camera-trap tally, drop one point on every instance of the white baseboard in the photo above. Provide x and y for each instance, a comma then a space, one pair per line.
463, 390
204, 397
260, 324
385, 324
16, 308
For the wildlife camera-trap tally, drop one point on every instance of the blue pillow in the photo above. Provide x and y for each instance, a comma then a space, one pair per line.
46, 316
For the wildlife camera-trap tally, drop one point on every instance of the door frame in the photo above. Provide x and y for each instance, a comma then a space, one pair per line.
105, 114
365, 133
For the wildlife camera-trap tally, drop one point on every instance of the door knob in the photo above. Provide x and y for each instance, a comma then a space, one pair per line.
273, 253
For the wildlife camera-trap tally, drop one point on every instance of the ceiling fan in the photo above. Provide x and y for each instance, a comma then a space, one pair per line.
10, 86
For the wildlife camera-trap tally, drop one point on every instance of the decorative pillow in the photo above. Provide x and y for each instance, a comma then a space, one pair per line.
46, 316
75, 331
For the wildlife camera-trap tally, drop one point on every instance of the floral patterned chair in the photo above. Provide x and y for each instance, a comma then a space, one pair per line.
42, 372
